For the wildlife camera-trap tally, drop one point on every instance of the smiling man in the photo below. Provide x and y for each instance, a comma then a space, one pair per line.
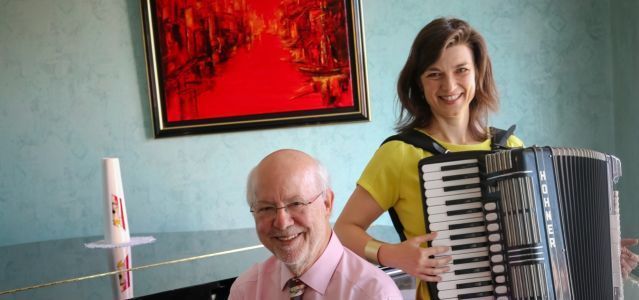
291, 201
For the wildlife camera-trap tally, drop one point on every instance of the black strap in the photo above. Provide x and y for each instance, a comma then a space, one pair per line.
500, 137
418, 139
499, 140
397, 224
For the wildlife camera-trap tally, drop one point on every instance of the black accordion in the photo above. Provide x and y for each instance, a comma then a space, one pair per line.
530, 223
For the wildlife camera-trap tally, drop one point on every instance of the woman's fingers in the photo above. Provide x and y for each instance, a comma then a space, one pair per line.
425, 263
429, 278
431, 266
432, 274
628, 242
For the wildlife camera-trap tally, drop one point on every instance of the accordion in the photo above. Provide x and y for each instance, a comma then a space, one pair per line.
530, 223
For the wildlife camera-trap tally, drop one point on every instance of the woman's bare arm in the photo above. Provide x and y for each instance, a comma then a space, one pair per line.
360, 212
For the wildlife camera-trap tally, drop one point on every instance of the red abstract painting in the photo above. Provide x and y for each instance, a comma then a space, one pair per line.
223, 65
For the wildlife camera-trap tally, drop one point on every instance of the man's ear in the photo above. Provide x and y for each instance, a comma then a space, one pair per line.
328, 201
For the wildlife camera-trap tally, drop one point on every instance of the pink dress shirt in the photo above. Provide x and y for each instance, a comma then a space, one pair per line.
337, 274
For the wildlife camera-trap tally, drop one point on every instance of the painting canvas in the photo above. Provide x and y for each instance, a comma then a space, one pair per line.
225, 65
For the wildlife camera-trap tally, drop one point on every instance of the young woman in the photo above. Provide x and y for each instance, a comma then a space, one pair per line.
446, 90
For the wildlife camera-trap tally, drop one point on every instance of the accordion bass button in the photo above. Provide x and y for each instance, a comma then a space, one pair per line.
492, 227
495, 237
491, 217
495, 248
502, 298
497, 258
490, 206
498, 268
502, 289
500, 279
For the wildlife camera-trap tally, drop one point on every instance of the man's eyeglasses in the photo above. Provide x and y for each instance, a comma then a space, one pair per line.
270, 211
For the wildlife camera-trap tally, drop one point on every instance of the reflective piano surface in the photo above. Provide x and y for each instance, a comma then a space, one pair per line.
177, 265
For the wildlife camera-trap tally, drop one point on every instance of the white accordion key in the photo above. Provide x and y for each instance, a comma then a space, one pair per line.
480, 264
447, 285
448, 276
463, 223
446, 234
445, 217
435, 184
438, 166
469, 255
439, 175
455, 293
449, 242
442, 200
466, 258
439, 209
439, 192
463, 251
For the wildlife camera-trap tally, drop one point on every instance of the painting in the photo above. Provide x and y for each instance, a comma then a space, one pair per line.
228, 65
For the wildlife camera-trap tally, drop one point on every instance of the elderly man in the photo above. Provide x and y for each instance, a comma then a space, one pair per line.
291, 201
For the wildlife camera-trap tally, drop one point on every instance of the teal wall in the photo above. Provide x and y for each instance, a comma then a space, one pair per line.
73, 90
625, 66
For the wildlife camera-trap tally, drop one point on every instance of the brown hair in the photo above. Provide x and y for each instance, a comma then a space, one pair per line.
430, 42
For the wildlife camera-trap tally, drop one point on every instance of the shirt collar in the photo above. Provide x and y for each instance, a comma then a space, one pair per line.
318, 276
485, 145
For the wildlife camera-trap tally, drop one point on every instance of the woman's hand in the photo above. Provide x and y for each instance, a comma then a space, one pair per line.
629, 259
415, 260
360, 211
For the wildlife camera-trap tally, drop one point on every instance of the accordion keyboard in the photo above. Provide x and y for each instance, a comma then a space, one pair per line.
454, 209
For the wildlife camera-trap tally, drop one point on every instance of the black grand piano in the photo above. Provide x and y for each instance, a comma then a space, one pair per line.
181, 265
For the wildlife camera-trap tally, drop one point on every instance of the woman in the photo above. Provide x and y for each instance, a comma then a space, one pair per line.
446, 89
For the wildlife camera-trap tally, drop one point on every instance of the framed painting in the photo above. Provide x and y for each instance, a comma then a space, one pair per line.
228, 65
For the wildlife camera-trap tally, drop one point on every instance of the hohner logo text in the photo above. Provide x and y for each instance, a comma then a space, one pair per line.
547, 209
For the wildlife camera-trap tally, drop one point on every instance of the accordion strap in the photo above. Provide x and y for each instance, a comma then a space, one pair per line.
499, 137
418, 139
499, 140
